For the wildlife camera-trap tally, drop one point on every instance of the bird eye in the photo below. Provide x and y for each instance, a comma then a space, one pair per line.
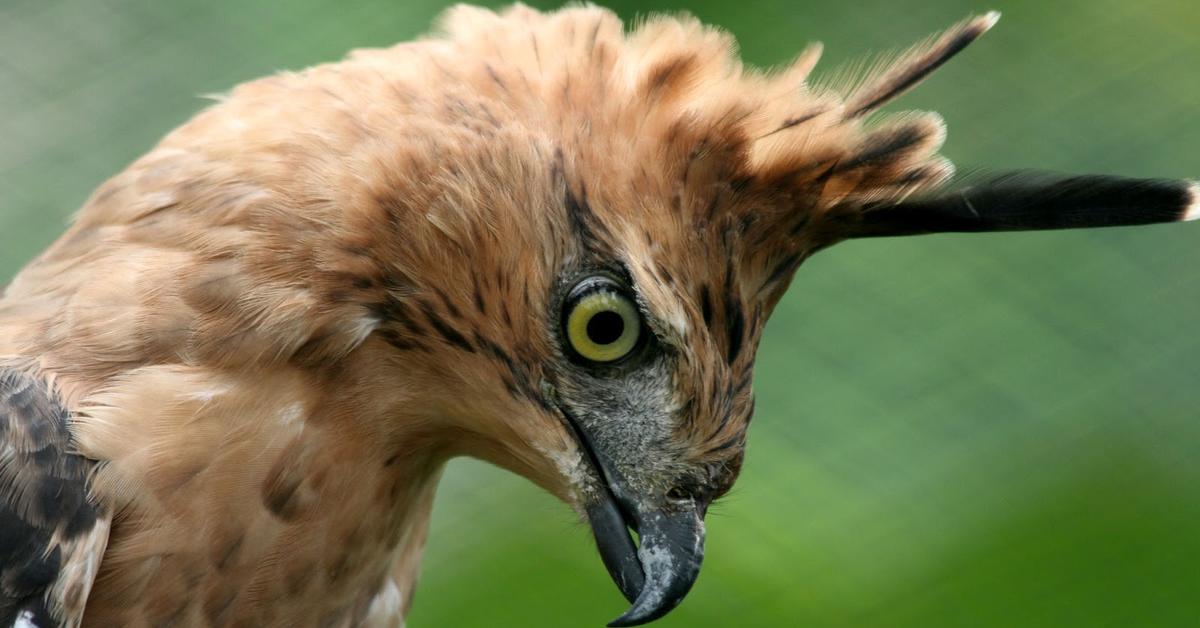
602, 323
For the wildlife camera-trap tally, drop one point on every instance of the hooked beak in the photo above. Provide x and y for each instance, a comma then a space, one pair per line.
656, 574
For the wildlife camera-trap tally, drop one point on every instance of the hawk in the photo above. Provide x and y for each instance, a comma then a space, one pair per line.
227, 392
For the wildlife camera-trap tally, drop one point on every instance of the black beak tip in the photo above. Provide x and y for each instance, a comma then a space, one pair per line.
640, 614
672, 550
656, 600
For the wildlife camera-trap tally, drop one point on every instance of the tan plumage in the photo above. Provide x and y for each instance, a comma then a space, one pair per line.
273, 329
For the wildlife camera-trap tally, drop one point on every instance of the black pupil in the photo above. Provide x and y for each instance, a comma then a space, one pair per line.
604, 328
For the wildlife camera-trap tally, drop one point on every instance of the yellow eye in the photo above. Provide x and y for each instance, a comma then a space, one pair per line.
602, 324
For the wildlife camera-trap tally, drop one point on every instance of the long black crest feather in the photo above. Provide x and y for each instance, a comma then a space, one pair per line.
1025, 201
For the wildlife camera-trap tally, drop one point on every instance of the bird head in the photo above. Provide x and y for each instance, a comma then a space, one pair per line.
642, 201
589, 228
553, 243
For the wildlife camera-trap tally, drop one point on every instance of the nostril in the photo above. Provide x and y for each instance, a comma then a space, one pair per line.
679, 493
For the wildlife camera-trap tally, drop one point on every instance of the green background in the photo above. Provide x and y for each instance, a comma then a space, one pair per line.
951, 430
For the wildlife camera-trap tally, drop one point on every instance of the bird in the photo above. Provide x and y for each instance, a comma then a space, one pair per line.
541, 239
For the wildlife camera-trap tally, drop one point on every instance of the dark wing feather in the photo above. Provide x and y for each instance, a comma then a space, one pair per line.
51, 535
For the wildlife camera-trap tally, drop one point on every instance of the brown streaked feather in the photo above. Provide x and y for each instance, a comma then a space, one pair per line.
916, 64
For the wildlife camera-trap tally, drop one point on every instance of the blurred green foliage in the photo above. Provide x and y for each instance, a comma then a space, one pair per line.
952, 430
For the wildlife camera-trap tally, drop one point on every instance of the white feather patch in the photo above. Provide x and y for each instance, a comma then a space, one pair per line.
25, 620
386, 607
1193, 209
990, 18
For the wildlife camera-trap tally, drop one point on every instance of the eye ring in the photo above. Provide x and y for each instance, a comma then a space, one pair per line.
601, 323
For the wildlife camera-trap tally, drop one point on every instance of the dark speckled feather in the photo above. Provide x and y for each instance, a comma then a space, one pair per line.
51, 535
